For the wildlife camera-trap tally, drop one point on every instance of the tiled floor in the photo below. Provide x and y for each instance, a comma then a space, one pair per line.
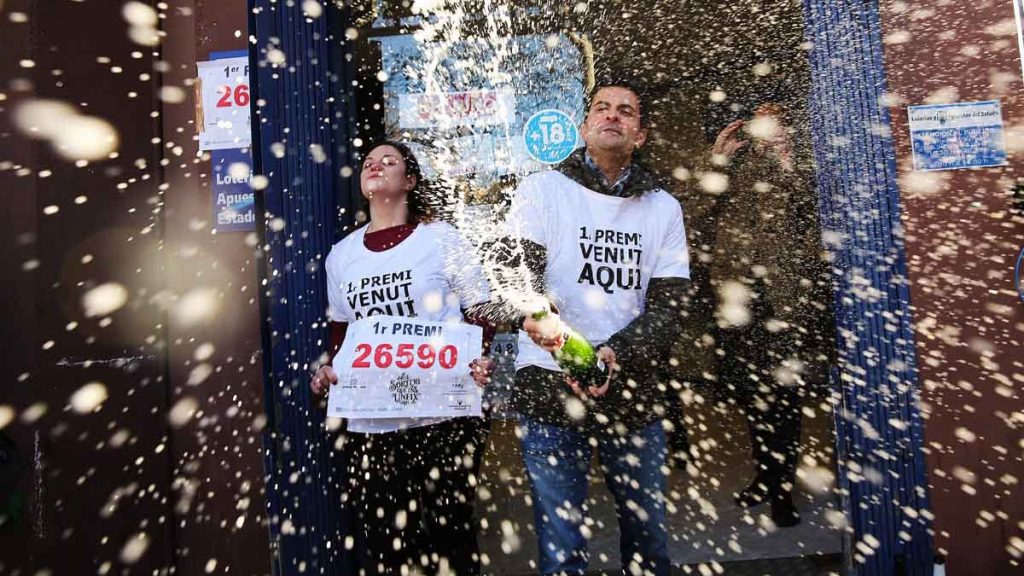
706, 526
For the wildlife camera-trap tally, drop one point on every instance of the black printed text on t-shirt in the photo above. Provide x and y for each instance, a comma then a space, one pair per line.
611, 258
382, 294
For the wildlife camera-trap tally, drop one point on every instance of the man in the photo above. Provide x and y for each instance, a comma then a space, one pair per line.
767, 252
607, 247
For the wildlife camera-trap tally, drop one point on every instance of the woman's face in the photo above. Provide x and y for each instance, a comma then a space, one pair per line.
383, 175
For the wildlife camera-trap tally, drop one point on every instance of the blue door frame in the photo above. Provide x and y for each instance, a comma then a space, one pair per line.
303, 119
878, 424
301, 125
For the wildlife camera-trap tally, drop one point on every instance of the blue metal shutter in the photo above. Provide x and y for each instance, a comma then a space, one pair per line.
299, 107
882, 467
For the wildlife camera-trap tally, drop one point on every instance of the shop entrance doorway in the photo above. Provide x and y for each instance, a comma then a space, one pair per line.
709, 66
726, 54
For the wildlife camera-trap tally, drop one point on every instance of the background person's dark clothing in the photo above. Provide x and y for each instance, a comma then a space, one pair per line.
767, 239
767, 231
386, 472
772, 410
763, 233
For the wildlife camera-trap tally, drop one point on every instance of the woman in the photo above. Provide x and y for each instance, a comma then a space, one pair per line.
409, 479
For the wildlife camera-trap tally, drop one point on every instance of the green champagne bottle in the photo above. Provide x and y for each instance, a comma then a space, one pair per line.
577, 356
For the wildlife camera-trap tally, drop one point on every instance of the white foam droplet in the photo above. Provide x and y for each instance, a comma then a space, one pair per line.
595, 299
144, 35
733, 311
433, 302
238, 171
88, 397
714, 182
172, 94
6, 416
104, 299
203, 352
42, 118
316, 151
86, 138
817, 480
134, 548
182, 411
763, 127
276, 57
197, 306
139, 14
575, 409
199, 374
312, 8
259, 182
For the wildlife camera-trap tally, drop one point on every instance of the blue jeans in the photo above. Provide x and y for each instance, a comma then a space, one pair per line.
558, 459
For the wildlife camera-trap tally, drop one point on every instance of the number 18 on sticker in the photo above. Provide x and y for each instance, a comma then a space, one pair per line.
550, 136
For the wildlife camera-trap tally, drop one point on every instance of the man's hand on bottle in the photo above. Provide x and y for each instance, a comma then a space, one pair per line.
606, 356
546, 332
322, 380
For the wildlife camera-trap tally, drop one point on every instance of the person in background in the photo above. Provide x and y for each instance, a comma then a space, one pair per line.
772, 288
411, 480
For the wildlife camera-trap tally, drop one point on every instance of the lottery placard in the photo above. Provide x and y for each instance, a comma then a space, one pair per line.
399, 367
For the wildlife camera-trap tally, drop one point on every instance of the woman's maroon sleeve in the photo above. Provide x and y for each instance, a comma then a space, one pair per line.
338, 330
482, 321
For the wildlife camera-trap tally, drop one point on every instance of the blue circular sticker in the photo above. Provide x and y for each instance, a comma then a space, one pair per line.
550, 136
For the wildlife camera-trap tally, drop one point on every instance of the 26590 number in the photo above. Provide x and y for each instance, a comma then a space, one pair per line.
405, 355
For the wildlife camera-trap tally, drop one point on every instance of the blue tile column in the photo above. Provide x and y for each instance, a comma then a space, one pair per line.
878, 423
300, 81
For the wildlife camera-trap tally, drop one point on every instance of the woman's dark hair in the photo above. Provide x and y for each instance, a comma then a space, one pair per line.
417, 202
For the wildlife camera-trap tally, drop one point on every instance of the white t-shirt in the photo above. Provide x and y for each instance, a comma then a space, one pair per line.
430, 275
602, 252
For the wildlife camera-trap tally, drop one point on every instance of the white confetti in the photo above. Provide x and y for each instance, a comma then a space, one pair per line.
104, 299
134, 548
88, 397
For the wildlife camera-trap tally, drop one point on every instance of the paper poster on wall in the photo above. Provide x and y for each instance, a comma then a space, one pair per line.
960, 135
223, 115
234, 202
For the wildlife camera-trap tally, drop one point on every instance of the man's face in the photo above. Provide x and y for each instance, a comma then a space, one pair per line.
613, 121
